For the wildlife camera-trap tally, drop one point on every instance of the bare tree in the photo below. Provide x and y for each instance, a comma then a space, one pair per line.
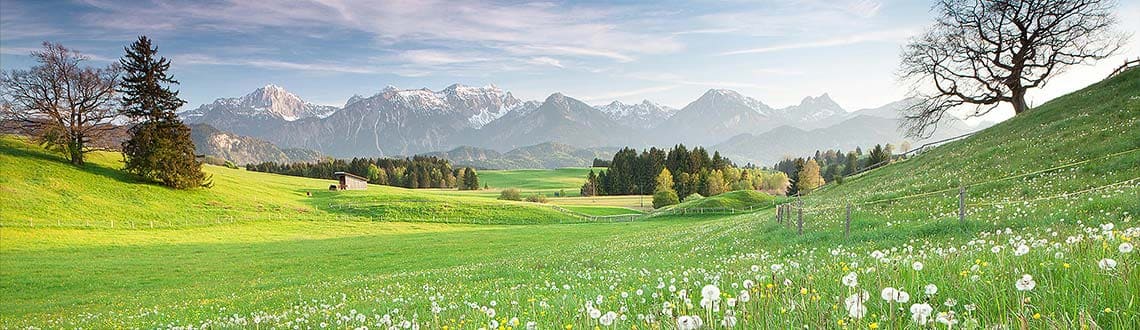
60, 101
980, 54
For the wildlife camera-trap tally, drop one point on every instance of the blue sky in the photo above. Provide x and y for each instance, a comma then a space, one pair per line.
666, 51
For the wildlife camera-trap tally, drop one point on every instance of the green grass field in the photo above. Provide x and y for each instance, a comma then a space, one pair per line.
1023, 259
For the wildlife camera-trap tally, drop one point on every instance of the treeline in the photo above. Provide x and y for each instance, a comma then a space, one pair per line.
808, 173
415, 172
691, 171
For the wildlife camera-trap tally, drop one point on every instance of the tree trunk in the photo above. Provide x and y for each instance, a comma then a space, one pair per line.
1018, 101
75, 149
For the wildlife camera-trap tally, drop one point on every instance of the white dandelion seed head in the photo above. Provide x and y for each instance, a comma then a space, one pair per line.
930, 289
1026, 283
851, 279
1107, 264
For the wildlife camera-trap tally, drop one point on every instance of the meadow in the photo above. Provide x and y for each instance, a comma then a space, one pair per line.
1048, 242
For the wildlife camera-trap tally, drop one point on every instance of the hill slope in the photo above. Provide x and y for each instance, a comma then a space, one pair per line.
41, 188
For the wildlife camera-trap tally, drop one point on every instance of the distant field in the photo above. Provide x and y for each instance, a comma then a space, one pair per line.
546, 181
636, 202
601, 210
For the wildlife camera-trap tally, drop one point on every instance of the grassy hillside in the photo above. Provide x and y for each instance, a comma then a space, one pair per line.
39, 187
741, 269
733, 199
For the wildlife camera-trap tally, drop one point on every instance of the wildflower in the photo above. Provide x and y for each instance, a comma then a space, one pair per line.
1021, 250
917, 265
1125, 247
920, 313
873, 325
744, 296
594, 313
755, 268
930, 289
947, 318
531, 325
1107, 264
710, 292
889, 294
854, 304
1026, 283
608, 318
851, 279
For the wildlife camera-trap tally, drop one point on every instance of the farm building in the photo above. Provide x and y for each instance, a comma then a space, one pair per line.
349, 181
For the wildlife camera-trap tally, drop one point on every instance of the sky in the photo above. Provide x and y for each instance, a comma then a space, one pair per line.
668, 52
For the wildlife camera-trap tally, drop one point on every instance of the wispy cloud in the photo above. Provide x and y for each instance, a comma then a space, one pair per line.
889, 35
201, 59
543, 60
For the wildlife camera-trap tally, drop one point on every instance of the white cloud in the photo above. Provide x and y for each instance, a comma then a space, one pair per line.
543, 60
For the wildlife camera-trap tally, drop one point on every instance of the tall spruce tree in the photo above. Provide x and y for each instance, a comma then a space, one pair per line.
160, 147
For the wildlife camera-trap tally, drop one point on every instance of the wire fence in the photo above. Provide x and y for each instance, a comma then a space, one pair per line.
939, 203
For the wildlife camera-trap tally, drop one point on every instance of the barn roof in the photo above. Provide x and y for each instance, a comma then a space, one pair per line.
338, 174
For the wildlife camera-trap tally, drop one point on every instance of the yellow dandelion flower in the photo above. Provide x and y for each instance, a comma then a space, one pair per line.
1107, 310
1036, 316
873, 325
840, 322
1066, 265
803, 291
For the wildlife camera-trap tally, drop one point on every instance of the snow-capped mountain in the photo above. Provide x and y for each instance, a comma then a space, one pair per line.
641, 115
813, 112
715, 116
270, 101
560, 119
252, 114
480, 105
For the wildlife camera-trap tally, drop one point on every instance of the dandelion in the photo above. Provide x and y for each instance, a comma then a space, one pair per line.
1026, 283
1125, 247
710, 292
594, 313
1021, 250
947, 318
855, 304
930, 289
755, 268
917, 265
889, 294
1107, 264
607, 319
920, 313
744, 296
851, 279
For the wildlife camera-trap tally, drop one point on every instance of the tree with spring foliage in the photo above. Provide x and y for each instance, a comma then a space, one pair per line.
809, 177
160, 147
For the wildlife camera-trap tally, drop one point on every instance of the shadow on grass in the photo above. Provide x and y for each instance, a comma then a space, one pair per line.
29, 151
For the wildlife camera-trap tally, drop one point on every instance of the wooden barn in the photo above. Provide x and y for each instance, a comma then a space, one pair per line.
349, 181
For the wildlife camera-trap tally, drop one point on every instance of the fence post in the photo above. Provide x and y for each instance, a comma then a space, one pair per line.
847, 225
961, 204
779, 213
800, 222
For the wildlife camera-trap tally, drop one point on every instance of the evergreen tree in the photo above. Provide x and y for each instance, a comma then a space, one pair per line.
160, 147
852, 164
470, 180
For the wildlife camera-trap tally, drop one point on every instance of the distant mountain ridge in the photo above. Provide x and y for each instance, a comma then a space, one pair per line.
243, 149
395, 122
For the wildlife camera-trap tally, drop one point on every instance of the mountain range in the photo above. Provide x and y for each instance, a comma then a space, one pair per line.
399, 122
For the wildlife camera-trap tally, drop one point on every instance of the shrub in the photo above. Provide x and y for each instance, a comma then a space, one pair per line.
536, 198
510, 194
230, 164
665, 197
693, 197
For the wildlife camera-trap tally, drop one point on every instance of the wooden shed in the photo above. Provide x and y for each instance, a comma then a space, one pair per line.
349, 181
